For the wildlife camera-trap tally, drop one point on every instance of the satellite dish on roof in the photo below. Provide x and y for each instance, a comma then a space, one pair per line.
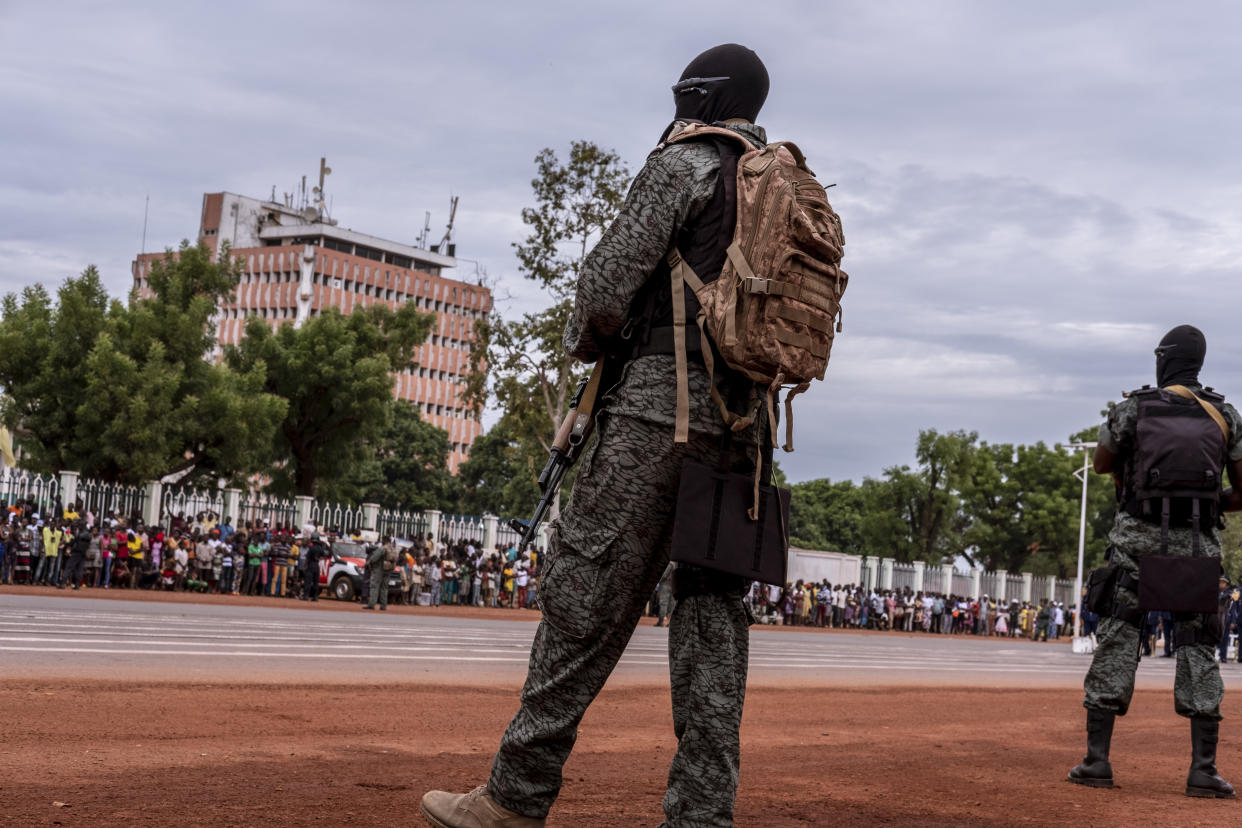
310, 213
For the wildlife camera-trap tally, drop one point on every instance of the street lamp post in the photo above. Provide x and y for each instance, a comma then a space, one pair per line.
1083, 475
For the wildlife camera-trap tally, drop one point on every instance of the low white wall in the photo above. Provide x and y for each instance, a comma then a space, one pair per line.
834, 567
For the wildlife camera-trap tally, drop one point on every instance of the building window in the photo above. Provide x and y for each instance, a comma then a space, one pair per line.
334, 244
401, 261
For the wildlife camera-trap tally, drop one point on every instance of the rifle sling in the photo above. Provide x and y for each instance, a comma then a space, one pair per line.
1217, 417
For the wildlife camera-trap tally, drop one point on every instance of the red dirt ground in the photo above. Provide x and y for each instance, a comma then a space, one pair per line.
119, 753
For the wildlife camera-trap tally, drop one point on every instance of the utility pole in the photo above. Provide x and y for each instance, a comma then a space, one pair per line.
1082, 474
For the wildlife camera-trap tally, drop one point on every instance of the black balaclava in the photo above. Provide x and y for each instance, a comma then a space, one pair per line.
728, 81
1180, 356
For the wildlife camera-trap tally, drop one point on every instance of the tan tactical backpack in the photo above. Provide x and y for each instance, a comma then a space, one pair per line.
773, 311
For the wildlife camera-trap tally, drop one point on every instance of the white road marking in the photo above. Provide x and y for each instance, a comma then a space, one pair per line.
206, 631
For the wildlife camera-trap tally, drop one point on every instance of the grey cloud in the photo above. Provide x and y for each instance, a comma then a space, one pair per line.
1030, 193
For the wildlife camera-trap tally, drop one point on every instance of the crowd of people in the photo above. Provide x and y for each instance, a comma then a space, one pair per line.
852, 606
73, 548
69, 547
463, 573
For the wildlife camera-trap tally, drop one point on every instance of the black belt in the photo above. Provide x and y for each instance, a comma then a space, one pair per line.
689, 580
660, 341
1130, 615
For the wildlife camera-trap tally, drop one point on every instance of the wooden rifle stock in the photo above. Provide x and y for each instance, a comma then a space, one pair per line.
570, 437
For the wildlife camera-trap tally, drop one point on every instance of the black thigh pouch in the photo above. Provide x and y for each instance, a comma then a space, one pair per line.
1178, 584
573, 588
1101, 585
713, 529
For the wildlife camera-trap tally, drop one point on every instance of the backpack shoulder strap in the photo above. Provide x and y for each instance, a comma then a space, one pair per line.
1183, 391
697, 130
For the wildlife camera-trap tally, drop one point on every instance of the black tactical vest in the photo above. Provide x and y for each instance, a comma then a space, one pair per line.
1172, 476
703, 242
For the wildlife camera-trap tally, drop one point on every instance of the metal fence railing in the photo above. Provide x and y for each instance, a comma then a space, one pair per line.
903, 577
506, 535
402, 525
260, 510
933, 580
962, 584
187, 502
454, 528
18, 485
338, 518
111, 499
1039, 588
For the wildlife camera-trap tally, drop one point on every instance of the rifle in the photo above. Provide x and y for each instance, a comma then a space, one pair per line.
570, 438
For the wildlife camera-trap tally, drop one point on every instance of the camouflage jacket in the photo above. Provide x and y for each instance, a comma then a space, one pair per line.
671, 189
1138, 537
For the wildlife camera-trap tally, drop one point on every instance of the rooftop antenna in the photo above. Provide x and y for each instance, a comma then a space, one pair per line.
324, 170
444, 246
273, 193
423, 236
145, 210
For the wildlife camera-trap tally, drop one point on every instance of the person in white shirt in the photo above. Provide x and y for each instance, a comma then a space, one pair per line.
521, 574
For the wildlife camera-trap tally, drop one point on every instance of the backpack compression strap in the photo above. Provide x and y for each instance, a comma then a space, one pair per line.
1217, 417
681, 275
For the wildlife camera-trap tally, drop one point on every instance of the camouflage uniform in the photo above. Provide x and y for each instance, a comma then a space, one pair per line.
1109, 685
611, 544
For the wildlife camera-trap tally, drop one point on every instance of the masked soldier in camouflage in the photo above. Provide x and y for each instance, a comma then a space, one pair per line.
1109, 683
611, 544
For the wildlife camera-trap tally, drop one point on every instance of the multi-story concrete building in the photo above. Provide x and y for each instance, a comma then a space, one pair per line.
296, 262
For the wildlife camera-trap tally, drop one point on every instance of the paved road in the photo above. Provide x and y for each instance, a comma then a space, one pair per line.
109, 639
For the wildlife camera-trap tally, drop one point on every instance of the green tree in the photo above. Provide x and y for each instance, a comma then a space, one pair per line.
500, 475
406, 469
522, 362
929, 498
888, 507
1023, 505
827, 515
161, 404
334, 373
43, 350
126, 392
1231, 547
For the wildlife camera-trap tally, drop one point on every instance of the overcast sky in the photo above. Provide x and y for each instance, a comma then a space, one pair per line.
1031, 193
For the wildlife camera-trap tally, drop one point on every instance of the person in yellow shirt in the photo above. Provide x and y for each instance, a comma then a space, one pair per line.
137, 558
52, 535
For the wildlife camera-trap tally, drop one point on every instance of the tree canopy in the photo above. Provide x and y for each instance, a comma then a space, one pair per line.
522, 362
998, 505
406, 468
125, 392
334, 375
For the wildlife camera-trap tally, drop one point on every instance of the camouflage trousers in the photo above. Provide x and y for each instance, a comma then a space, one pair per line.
1109, 685
607, 552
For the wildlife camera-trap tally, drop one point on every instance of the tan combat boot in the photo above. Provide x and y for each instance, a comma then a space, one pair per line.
473, 810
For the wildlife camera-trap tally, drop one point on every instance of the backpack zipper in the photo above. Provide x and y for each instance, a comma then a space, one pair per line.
766, 176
